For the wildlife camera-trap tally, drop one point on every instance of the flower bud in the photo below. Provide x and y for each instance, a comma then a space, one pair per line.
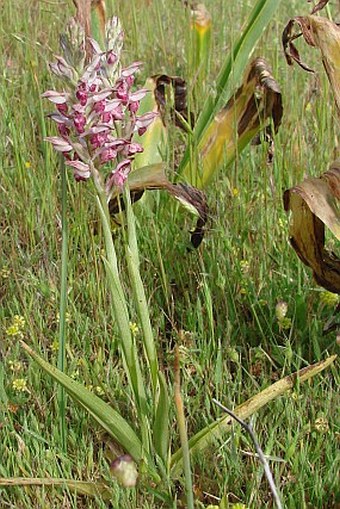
124, 470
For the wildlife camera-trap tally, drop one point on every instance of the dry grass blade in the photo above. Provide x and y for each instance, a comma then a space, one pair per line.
320, 33
315, 203
199, 442
81, 487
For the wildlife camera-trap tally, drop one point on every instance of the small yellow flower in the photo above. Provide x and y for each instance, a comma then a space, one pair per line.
99, 390
28, 165
15, 366
55, 346
134, 328
235, 192
321, 425
67, 317
243, 291
244, 266
329, 299
19, 385
16, 327
4, 273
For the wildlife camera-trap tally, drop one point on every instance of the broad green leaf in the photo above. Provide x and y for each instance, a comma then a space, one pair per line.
80, 487
315, 203
256, 101
200, 441
232, 70
161, 424
107, 417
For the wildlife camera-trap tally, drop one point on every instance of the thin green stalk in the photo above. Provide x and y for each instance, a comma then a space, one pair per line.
183, 434
63, 301
130, 354
132, 255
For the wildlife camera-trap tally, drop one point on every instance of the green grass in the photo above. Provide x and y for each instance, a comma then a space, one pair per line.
217, 303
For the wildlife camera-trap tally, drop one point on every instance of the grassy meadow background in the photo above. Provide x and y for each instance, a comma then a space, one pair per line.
218, 303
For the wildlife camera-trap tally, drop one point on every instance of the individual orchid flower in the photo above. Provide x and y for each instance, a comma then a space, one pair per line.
97, 114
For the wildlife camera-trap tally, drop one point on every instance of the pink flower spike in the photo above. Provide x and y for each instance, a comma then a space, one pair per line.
119, 175
131, 69
81, 170
59, 144
56, 97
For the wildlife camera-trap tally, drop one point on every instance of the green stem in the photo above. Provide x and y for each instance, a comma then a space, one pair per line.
132, 255
63, 301
129, 350
183, 434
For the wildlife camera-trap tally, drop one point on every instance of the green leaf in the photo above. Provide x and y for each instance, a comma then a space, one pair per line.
204, 438
256, 101
107, 417
161, 424
232, 70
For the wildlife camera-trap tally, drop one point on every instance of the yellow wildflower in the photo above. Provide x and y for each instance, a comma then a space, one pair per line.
19, 385
134, 328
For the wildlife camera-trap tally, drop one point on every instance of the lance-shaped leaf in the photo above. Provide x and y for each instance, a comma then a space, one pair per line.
98, 20
153, 177
315, 203
204, 438
257, 100
110, 420
230, 73
320, 33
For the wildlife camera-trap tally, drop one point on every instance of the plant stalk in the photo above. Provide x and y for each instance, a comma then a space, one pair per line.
63, 301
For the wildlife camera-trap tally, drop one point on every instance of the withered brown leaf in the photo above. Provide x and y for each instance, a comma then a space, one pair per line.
315, 203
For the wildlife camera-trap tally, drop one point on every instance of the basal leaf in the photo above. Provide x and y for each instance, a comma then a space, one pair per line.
315, 203
106, 416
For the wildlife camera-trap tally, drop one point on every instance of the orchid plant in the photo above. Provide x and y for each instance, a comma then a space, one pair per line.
100, 134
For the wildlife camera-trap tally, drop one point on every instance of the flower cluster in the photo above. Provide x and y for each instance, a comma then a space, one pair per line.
97, 115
